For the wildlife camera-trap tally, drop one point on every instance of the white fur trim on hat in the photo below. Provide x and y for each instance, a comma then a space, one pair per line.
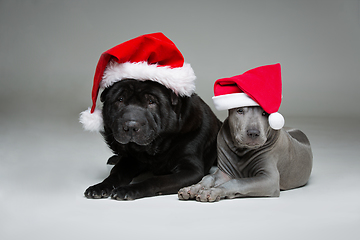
181, 80
233, 100
92, 122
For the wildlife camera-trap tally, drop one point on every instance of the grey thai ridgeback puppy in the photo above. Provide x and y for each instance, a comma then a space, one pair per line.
257, 157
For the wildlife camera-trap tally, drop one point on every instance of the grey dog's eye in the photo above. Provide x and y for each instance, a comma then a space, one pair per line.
264, 113
240, 111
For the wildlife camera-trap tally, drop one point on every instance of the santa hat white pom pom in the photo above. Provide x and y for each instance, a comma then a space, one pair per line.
92, 122
276, 121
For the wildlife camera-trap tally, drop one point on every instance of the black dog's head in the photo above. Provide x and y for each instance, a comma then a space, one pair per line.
249, 126
138, 111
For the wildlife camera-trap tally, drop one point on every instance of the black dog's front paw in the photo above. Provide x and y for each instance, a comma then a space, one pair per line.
126, 193
97, 191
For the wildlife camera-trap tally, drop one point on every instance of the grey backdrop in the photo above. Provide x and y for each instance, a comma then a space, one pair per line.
49, 49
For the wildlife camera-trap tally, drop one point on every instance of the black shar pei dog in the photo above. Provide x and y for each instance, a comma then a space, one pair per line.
151, 129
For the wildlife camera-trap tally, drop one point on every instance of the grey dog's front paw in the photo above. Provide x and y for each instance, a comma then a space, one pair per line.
184, 193
190, 192
209, 195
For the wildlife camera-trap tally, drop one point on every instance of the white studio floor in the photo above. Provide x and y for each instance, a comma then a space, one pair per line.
47, 161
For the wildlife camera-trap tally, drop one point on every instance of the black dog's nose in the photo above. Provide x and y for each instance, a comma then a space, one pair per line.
253, 133
131, 126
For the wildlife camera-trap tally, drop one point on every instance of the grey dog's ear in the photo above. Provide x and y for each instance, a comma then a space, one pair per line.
174, 98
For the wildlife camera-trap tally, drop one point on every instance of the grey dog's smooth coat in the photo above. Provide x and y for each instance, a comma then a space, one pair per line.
254, 160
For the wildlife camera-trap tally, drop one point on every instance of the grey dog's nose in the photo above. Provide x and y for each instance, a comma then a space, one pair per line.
131, 126
253, 133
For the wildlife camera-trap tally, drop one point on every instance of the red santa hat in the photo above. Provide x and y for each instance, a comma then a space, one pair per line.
148, 57
260, 86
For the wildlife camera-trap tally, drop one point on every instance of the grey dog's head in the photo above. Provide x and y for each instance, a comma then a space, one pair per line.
249, 126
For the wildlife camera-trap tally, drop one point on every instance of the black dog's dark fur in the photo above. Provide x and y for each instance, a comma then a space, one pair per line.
150, 129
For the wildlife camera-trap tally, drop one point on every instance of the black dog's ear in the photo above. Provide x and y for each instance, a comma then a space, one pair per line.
174, 98
103, 95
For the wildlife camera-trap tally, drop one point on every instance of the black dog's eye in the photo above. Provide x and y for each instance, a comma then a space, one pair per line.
120, 99
240, 111
150, 99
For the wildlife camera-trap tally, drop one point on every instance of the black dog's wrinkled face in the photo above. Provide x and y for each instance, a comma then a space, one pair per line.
135, 110
248, 126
